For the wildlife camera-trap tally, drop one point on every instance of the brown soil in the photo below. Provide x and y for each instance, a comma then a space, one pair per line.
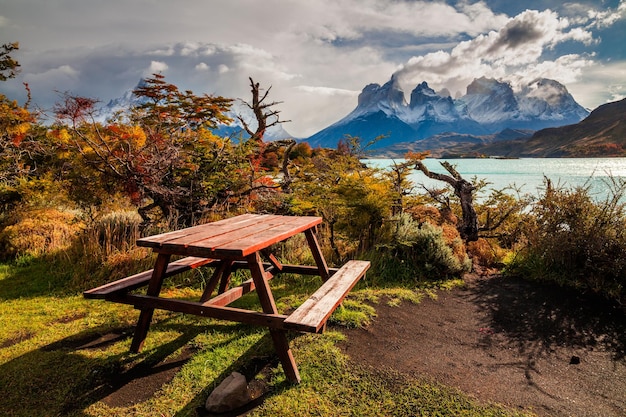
505, 340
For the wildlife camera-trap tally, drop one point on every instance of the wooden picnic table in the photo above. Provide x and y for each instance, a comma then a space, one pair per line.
241, 242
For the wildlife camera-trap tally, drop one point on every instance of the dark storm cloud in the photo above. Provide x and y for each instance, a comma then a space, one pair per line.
516, 34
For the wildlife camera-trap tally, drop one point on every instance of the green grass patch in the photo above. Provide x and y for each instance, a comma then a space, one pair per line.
52, 360
332, 386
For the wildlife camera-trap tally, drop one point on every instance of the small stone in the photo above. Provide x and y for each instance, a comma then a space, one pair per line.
574, 360
232, 393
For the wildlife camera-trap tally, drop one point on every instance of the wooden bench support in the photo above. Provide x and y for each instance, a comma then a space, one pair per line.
141, 279
273, 321
311, 316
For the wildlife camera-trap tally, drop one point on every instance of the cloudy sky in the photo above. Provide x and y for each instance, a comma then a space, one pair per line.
316, 54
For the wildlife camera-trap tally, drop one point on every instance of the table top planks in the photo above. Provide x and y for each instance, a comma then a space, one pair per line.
235, 237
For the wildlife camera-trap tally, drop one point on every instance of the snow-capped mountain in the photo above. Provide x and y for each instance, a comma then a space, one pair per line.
123, 103
489, 106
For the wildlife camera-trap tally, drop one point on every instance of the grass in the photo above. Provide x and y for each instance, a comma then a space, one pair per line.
45, 371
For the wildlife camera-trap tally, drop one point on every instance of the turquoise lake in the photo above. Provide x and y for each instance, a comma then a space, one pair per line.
526, 173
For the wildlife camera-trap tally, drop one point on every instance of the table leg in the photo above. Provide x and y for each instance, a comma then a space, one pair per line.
225, 281
154, 288
222, 272
279, 337
317, 254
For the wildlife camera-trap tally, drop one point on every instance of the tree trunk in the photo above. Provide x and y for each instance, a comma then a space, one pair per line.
468, 228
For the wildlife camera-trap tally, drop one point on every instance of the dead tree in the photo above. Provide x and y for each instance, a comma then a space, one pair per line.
266, 116
264, 113
464, 190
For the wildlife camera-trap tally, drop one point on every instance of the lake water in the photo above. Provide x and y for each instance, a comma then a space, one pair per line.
526, 173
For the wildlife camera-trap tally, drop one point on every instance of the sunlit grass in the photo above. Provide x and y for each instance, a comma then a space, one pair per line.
45, 368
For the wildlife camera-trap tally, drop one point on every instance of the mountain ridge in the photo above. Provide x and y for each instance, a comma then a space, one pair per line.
488, 107
601, 134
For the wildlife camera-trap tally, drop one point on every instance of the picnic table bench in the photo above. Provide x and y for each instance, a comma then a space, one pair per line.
241, 242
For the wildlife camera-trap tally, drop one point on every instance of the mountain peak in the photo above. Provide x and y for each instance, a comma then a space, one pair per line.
387, 97
484, 85
423, 94
488, 107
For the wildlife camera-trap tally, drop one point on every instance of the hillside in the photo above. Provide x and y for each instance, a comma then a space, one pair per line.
451, 144
601, 134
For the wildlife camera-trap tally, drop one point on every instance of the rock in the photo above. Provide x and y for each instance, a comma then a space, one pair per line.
232, 393
574, 360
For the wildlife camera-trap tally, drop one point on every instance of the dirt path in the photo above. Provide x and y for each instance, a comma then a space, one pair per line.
539, 348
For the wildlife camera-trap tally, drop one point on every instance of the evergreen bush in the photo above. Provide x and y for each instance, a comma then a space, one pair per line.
417, 251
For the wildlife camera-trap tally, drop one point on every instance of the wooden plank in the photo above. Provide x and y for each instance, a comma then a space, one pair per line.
314, 312
203, 310
141, 279
264, 238
316, 251
216, 233
232, 238
201, 231
145, 316
221, 267
231, 295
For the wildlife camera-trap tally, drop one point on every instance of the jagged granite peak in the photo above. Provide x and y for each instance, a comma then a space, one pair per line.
544, 98
490, 101
387, 97
426, 104
423, 94
488, 107
126, 101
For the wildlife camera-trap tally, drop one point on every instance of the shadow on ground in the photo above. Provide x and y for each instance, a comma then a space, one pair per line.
57, 379
537, 316
507, 340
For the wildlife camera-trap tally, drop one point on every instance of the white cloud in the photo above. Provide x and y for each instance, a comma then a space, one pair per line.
330, 20
63, 76
606, 18
156, 67
327, 91
189, 49
600, 83
514, 52
202, 66
167, 50
317, 55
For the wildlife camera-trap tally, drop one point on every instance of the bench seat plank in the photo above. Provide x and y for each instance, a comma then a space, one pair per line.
139, 280
313, 313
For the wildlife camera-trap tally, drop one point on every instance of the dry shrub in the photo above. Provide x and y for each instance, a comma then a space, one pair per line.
106, 249
485, 254
446, 221
431, 214
577, 241
37, 232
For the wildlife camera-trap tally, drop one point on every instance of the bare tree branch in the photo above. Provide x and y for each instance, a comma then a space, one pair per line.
468, 228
